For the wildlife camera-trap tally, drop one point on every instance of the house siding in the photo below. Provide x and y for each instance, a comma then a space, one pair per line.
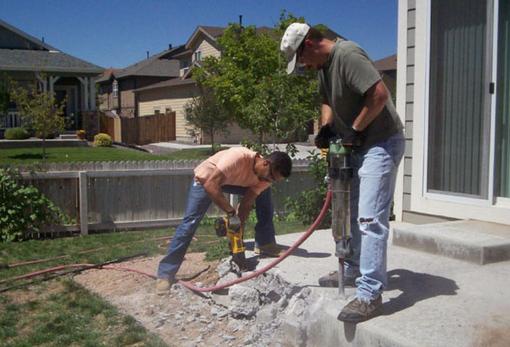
207, 49
409, 103
174, 98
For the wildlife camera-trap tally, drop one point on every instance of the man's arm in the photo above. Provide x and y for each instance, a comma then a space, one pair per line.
375, 99
212, 186
326, 113
246, 204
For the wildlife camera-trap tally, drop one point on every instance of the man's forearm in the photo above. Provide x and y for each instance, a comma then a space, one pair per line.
374, 103
218, 198
326, 114
245, 205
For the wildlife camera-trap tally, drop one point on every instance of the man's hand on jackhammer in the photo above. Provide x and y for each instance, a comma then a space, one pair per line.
352, 138
323, 137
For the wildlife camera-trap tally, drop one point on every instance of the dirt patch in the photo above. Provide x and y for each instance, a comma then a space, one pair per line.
20, 297
181, 317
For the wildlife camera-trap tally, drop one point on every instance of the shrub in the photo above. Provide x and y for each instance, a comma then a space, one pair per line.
23, 209
102, 140
16, 134
306, 206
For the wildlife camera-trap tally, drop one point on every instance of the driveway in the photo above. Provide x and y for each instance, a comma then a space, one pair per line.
163, 147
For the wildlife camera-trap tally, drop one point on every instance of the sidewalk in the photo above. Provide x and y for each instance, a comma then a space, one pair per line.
161, 147
431, 300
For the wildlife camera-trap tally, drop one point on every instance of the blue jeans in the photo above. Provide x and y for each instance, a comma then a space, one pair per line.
372, 191
196, 207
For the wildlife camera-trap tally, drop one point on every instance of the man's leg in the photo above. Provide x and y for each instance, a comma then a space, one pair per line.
377, 184
264, 229
196, 207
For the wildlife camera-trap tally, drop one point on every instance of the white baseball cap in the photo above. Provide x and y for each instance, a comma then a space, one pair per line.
291, 40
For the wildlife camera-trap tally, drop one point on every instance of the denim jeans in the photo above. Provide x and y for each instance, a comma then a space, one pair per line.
196, 207
372, 191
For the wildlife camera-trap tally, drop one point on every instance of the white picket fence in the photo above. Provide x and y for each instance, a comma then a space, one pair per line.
109, 196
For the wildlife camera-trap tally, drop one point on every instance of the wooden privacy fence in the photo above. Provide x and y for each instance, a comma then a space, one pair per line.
141, 130
117, 199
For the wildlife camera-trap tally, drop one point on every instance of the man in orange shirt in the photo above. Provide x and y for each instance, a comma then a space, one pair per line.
236, 170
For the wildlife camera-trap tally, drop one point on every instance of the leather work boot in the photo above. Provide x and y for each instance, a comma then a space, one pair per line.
272, 250
331, 280
163, 286
359, 311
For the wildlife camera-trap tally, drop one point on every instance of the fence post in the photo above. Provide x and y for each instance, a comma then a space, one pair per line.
84, 221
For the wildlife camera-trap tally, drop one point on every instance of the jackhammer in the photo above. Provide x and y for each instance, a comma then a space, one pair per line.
231, 228
340, 173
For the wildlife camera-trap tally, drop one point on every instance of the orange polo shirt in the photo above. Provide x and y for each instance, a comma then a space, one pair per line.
237, 164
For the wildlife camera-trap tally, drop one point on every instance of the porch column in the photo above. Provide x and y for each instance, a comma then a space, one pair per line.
85, 95
92, 94
53, 79
43, 81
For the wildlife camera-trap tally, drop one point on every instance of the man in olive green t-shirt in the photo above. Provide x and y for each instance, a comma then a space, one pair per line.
357, 108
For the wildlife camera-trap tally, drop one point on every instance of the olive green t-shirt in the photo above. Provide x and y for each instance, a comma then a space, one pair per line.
343, 81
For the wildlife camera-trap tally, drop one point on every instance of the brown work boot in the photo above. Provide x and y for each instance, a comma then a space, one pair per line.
163, 286
331, 280
272, 250
359, 311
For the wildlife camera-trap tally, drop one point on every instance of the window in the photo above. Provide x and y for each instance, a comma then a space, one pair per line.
503, 102
459, 104
184, 63
115, 89
198, 56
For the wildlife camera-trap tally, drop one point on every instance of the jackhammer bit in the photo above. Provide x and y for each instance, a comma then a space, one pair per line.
340, 173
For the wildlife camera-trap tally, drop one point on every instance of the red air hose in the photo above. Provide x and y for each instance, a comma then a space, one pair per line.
275, 262
189, 285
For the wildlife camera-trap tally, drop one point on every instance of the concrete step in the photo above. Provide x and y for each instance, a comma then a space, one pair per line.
469, 240
429, 301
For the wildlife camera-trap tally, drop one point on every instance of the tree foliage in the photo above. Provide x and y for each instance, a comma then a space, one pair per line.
39, 110
206, 113
251, 84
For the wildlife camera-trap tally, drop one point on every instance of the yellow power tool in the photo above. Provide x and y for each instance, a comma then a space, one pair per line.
232, 229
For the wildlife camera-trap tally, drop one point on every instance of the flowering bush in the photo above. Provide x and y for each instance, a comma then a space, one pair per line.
102, 140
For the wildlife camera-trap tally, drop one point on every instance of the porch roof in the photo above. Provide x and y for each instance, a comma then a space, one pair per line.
44, 61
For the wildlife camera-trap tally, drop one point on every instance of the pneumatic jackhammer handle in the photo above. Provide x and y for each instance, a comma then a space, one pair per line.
340, 173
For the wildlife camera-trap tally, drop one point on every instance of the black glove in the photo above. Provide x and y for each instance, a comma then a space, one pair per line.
352, 138
323, 137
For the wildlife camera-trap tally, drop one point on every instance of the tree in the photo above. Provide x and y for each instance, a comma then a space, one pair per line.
251, 83
39, 110
206, 113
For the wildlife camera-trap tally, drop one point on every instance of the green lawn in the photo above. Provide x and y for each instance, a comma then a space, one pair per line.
59, 312
32, 155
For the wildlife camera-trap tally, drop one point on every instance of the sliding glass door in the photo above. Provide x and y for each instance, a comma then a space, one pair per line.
503, 102
459, 102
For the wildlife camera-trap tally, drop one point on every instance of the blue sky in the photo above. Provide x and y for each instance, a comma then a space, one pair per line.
119, 32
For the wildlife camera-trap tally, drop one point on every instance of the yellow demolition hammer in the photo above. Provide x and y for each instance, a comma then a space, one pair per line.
232, 229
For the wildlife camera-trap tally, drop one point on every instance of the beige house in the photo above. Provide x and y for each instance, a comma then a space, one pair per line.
174, 94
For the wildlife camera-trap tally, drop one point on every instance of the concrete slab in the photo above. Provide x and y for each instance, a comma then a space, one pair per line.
431, 300
469, 240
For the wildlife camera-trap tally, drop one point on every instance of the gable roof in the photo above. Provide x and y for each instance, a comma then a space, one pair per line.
158, 65
32, 42
387, 63
20, 51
